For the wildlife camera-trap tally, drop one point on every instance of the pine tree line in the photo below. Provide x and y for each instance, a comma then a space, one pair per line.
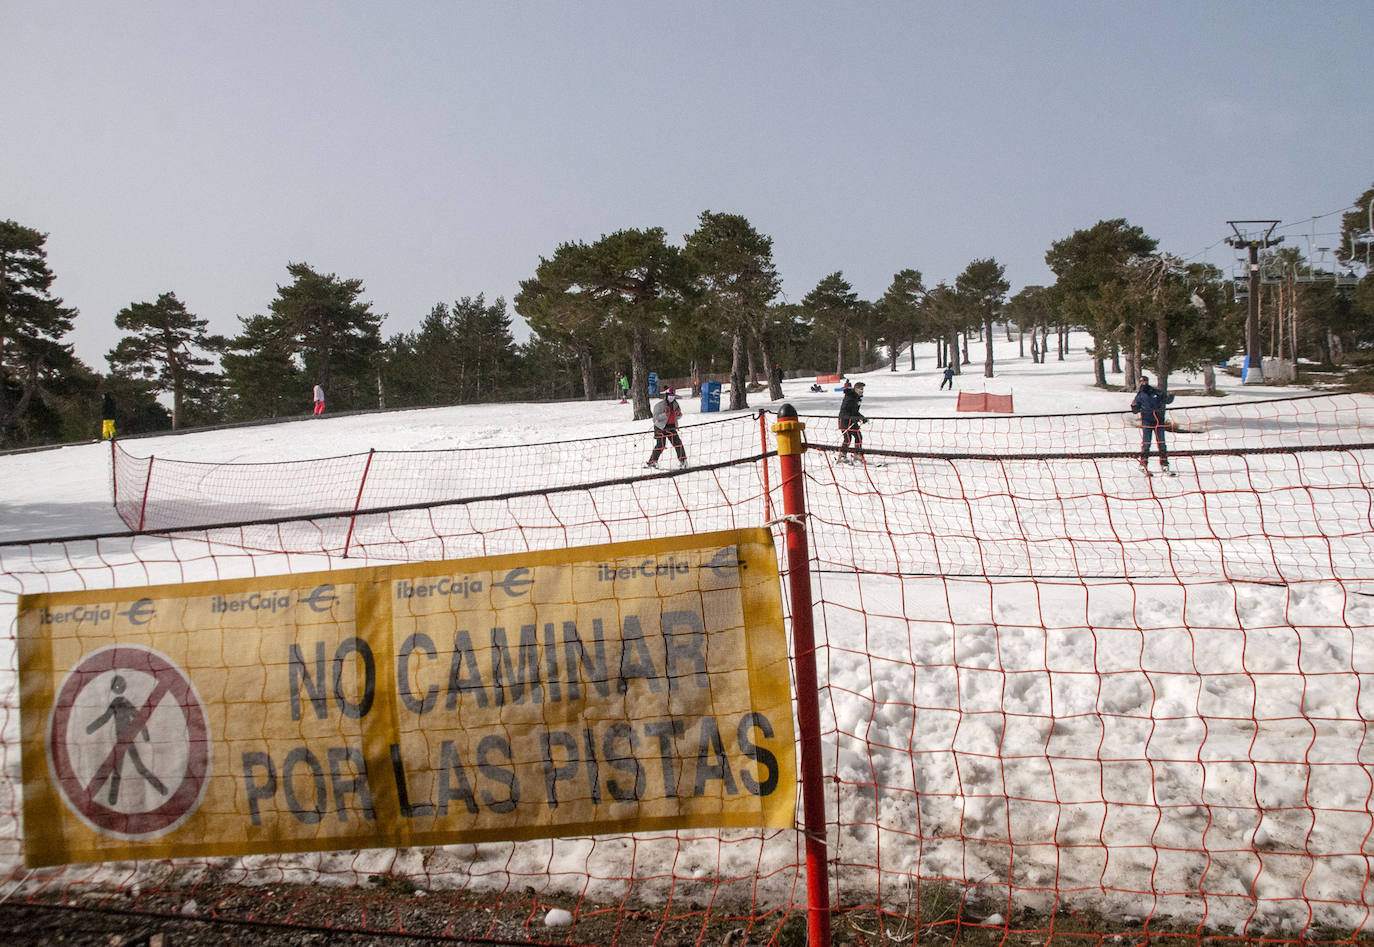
634, 302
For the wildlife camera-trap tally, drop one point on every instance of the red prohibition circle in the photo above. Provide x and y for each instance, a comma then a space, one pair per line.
170, 682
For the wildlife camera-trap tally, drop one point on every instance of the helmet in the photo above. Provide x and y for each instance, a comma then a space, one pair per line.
670, 391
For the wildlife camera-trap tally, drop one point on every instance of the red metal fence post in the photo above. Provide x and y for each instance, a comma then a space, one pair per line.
147, 485
763, 444
790, 448
114, 476
357, 501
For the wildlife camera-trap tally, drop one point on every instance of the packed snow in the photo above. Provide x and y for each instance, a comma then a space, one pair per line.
1135, 762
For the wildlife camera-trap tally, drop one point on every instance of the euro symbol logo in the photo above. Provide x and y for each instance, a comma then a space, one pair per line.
140, 612
723, 562
516, 582
320, 599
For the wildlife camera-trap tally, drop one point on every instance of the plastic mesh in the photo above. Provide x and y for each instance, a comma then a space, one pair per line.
1060, 698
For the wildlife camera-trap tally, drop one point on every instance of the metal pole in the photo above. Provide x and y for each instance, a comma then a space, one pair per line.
1254, 374
763, 444
790, 448
147, 485
1254, 359
357, 501
114, 478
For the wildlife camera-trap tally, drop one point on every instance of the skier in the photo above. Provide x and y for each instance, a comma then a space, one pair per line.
319, 399
666, 414
949, 378
1149, 404
622, 385
850, 419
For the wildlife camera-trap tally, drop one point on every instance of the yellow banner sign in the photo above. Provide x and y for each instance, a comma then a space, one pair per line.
627, 687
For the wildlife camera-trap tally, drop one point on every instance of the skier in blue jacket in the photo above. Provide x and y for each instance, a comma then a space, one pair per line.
1149, 404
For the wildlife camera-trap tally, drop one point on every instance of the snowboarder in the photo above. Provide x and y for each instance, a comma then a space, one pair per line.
319, 399
622, 385
1149, 404
107, 417
850, 419
666, 415
949, 378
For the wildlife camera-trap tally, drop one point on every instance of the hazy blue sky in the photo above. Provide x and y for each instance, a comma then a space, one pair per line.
437, 150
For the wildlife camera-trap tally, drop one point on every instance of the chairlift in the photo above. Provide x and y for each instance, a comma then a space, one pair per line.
1320, 273
1365, 237
1271, 271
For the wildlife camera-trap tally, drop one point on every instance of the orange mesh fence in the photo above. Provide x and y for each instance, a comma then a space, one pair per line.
982, 401
154, 493
1061, 699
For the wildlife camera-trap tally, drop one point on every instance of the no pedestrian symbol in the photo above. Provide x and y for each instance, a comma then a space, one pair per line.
129, 742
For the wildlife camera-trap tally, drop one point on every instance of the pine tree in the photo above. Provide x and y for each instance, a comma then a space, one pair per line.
336, 337
263, 379
898, 314
983, 289
1090, 268
461, 353
162, 350
735, 279
32, 325
834, 306
626, 284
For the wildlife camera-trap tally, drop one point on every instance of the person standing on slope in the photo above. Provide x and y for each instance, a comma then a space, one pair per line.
1149, 404
666, 415
107, 417
622, 385
850, 419
319, 399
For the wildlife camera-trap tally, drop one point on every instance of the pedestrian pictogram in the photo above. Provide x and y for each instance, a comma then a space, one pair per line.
128, 742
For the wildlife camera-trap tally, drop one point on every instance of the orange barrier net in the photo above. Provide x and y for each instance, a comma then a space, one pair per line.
1061, 699
982, 401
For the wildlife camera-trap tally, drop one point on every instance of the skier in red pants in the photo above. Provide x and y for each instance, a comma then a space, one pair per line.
666, 414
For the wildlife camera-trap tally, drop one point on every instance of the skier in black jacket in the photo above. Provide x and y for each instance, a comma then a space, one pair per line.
850, 419
1149, 404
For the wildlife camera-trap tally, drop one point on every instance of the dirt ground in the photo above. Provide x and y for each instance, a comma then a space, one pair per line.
296, 917
352, 918
400, 916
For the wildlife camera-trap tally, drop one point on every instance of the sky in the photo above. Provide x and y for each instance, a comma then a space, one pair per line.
1203, 717
437, 150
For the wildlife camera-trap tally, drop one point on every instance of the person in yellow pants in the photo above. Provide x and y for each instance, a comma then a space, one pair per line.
107, 417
